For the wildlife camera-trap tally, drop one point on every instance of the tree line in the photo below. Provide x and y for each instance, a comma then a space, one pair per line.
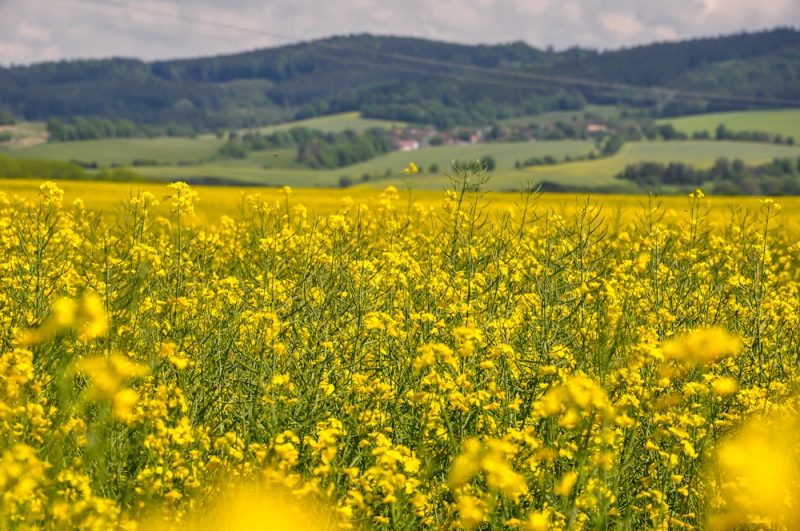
98, 128
779, 177
315, 149
722, 132
14, 168
278, 84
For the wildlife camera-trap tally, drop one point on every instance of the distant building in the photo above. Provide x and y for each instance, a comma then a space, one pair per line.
471, 140
596, 128
407, 145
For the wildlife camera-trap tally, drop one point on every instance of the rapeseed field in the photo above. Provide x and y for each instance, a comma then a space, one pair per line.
397, 364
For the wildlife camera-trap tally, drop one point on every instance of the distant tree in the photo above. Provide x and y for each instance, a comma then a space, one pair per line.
56, 131
128, 129
613, 145
301, 135
723, 133
464, 135
345, 181
488, 162
7, 118
722, 168
85, 129
633, 135
104, 128
650, 131
172, 130
434, 168
12, 168
667, 132
233, 149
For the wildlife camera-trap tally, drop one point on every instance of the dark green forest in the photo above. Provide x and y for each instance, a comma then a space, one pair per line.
403, 79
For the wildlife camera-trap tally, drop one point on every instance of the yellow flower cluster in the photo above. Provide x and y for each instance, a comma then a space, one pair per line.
396, 366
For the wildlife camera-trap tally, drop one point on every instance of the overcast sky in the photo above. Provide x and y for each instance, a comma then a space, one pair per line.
40, 30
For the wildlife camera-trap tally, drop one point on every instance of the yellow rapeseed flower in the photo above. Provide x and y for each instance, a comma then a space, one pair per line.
702, 346
566, 484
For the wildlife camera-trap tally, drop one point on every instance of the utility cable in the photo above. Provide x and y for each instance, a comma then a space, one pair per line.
560, 80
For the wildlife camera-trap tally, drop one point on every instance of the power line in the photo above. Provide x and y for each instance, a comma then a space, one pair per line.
330, 57
601, 84
150, 25
348, 60
542, 78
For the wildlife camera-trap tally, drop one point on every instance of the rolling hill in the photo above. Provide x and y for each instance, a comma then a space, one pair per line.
407, 79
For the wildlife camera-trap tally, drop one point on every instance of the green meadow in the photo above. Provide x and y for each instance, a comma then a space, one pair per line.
197, 159
785, 122
282, 170
601, 172
123, 151
335, 123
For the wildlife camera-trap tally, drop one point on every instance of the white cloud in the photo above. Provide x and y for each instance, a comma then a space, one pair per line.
36, 30
28, 32
624, 25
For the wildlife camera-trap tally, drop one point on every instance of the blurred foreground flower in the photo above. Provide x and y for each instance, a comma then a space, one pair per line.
492, 459
703, 346
88, 318
258, 510
758, 477
107, 378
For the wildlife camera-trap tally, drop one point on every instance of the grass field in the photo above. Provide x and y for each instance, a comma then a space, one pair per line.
699, 154
23, 134
600, 172
279, 168
505, 154
123, 151
335, 123
785, 122
282, 171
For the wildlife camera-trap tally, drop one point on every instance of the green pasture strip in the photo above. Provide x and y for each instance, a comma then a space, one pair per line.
601, 172
785, 122
505, 154
335, 123
701, 154
282, 170
123, 151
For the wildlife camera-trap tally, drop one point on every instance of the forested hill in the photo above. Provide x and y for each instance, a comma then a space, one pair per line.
405, 79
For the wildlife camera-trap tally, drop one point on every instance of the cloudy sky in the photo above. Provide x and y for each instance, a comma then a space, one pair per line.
40, 30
